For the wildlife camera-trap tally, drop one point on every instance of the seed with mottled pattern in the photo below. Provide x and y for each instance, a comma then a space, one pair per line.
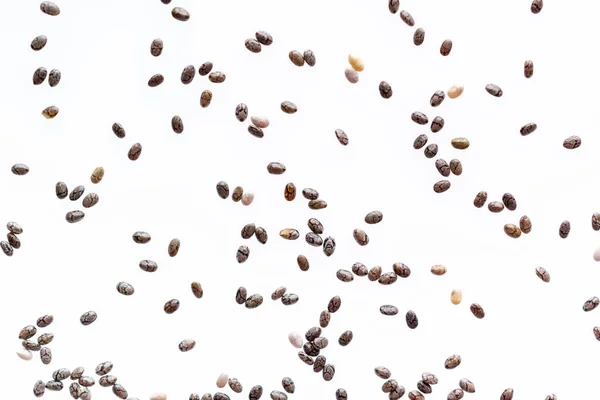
156, 80
564, 229
104, 368
264, 38
39, 388
277, 395
542, 274
437, 124
455, 394
235, 385
255, 393
424, 387
276, 168
173, 247
385, 90
188, 74
591, 304
393, 6
7, 248
572, 142
467, 385
431, 150
455, 91
205, 68
507, 394
420, 141
477, 311
156, 47
217, 77
256, 131
278, 293
313, 239
351, 75
50, 8
344, 275
419, 37
596, 221
197, 290
134, 152
148, 265
341, 394
61, 374
241, 295
480, 199
317, 204
118, 130
54, 77
495, 206
61, 190
31, 345
20, 169
310, 58
107, 380
88, 318
345, 338
456, 167
374, 217
289, 234
77, 373
328, 372
329, 246
342, 137
452, 362
401, 269
45, 355
411, 320
75, 390
180, 14
125, 288
528, 129
248, 231
288, 107
44, 321
39, 42
596, 331
441, 186
525, 224
303, 263
446, 47
289, 193
438, 270
289, 299
334, 304
389, 385
528, 69
74, 216
456, 296
536, 7
310, 194
28, 332
296, 58
253, 45
388, 278
374, 273
388, 310
419, 118
90, 200
442, 166
13, 240
494, 90
360, 237
77, 193
87, 381
305, 358
261, 235
429, 378
120, 391
141, 237
319, 364
324, 319
39, 75
177, 124
171, 306
383, 372
223, 190
407, 18
509, 201
241, 112
50, 112
356, 62
460, 143
288, 385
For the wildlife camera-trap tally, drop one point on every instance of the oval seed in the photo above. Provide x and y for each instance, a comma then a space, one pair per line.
97, 175
187, 345
20, 169
495, 206
76, 193
197, 290
424, 387
596, 254
28, 332
456, 167
255, 393
441, 186
341, 394
460, 143
223, 190
346, 338
45, 338
351, 75
374, 274
288, 107
525, 224
419, 118
361, 237
25, 354
329, 246
261, 235
39, 75
222, 381
39, 42
394, 6
205, 68
596, 221
572, 142
253, 45
480, 199
419, 37
507, 394
528, 129
389, 385
174, 246
302, 263
141, 237
317, 204
456, 296
87, 381
564, 229
107, 380
509, 201
356, 62
49, 8
264, 38
429, 378
388, 310
74, 216
260, 122
401, 269
431, 150
156, 47
50, 112
477, 311
512, 230
310, 58
407, 18
159, 396
494, 90
596, 331
277, 395
177, 124
455, 394
44, 320
319, 364
528, 69
313, 239
188, 74
248, 231
125, 288
148, 266
31, 345
247, 198
467, 385
46, 355
385, 90
296, 58
411, 320
54, 385
118, 130
289, 192
437, 124
180, 14
438, 270
276, 168
171, 306
134, 152
256, 131
313, 333
328, 372
61, 190
455, 91
452, 362
241, 295
536, 6
88, 318
420, 141
39, 388
120, 391
90, 200
324, 319
437, 98
542, 274
342, 137
383, 372
7, 248
241, 112
334, 304
289, 299
13, 240
242, 254
156, 80
344, 275
442, 166
295, 339
235, 385
374, 217
591, 304
446, 47
310, 194
288, 385
312, 351
289, 234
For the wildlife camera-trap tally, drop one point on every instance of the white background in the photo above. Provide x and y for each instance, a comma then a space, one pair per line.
535, 337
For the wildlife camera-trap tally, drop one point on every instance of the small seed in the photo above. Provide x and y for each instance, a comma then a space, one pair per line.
317, 204
383, 372
148, 266
44, 321
374, 273
88, 318
442, 166
542, 274
596, 331
7, 248
241, 295
407, 18
50, 112
156, 47
389, 385
467, 385
222, 381
455, 91
455, 394
411, 320
197, 290
441, 186
495, 206
264, 38
134, 152
118, 130
77, 373
356, 62
125, 288
74, 216
254, 301
260, 122
420, 141
313, 239
120, 391
507, 394
351, 75
509, 201
419, 37
217, 77
289, 299
303, 263
277, 395
401, 269
329, 246
173, 247
429, 378
288, 107
90, 200
310, 194
456, 167
156, 80
460, 143
424, 387
39, 42
446, 47
171, 306
49, 8
564, 229
528, 128
525, 224
289, 192
477, 311
54, 77
591, 304
388, 310
536, 6
324, 319
452, 362
276, 168
241, 112
341, 394
528, 69
438, 270
255, 393
345, 338
419, 118
572, 142
437, 124
235, 385
141, 237
46, 355
456, 296
494, 90
328, 372
61, 190
253, 45
205, 68
107, 380
431, 150
385, 90
261, 235
13, 240
296, 58
344, 275
180, 14
39, 388
39, 75
310, 58
289, 234
360, 237
188, 74
20, 169
480, 199
334, 304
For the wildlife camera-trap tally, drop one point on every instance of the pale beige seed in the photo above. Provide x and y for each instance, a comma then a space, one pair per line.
438, 270
456, 296
512, 230
260, 122
50, 112
455, 91
542, 274
460, 143
356, 62
289, 234
97, 175
222, 381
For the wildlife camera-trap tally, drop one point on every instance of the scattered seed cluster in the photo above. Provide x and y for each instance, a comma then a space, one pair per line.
314, 343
